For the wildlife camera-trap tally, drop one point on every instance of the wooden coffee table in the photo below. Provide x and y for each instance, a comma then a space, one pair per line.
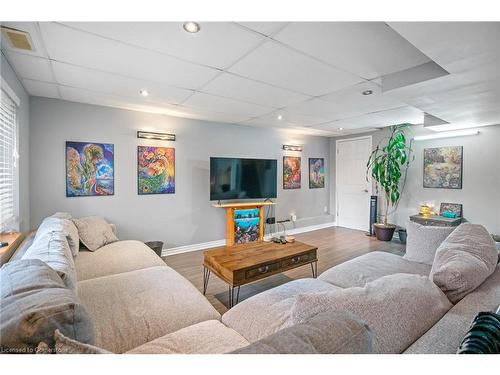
242, 264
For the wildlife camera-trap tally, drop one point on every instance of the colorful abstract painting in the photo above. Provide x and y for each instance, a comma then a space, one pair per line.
443, 167
89, 169
246, 225
316, 173
155, 170
291, 172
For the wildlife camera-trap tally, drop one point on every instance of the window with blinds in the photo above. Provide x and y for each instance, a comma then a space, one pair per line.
8, 158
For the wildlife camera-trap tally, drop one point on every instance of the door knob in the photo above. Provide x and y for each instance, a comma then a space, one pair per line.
366, 190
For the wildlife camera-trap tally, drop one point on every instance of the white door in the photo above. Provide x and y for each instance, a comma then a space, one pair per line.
353, 191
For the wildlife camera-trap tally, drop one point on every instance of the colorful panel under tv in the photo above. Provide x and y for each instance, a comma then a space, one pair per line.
291, 172
316, 173
155, 170
246, 225
89, 169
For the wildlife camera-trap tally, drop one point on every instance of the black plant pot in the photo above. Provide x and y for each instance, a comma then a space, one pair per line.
384, 232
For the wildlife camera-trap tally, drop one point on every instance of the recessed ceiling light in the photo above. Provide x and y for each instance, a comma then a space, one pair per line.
191, 27
367, 92
341, 128
144, 92
280, 117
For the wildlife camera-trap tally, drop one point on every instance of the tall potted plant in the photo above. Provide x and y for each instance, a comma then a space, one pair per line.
387, 165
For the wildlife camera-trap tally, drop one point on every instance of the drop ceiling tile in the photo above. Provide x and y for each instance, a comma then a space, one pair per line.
90, 97
232, 86
67, 45
287, 119
93, 80
446, 42
37, 88
31, 67
347, 103
202, 114
367, 49
396, 116
217, 44
280, 66
351, 101
225, 105
32, 29
266, 28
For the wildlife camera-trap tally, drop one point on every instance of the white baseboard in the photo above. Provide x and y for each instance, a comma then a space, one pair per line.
211, 244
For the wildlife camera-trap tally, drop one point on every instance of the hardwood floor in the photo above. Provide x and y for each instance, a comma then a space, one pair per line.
335, 245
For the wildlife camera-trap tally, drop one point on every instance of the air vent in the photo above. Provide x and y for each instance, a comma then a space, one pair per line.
18, 39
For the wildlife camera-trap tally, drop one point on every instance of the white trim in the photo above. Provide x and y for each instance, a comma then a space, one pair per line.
10, 92
370, 137
218, 243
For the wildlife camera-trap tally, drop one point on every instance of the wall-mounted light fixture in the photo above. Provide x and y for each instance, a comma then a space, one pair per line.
158, 136
292, 148
456, 133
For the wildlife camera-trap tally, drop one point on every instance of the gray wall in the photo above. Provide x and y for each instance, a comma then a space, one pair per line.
23, 117
480, 194
186, 217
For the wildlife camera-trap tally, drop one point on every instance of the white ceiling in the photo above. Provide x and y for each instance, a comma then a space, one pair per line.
312, 75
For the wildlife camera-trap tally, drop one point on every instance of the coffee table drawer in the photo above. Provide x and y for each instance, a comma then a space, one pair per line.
262, 270
297, 260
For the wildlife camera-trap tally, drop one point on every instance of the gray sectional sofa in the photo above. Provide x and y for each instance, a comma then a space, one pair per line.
379, 302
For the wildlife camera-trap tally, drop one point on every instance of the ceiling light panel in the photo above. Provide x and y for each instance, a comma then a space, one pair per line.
280, 66
80, 48
367, 49
219, 44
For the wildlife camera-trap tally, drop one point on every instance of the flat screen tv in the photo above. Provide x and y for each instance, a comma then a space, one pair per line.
232, 178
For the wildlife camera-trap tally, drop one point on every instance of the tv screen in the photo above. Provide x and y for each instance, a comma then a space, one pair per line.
232, 178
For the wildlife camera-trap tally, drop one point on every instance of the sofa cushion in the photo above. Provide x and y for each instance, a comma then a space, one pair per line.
464, 260
326, 333
447, 334
52, 248
268, 312
210, 337
34, 302
132, 308
369, 267
65, 226
117, 257
398, 308
95, 232
423, 241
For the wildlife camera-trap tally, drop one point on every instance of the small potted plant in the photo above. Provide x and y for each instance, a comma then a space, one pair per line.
387, 165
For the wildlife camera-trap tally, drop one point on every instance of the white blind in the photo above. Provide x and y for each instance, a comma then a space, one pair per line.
8, 158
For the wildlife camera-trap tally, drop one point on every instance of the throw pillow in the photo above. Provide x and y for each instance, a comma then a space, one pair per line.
63, 225
423, 241
398, 308
95, 232
463, 261
53, 249
34, 303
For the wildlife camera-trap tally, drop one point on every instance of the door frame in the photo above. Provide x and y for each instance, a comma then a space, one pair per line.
370, 190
